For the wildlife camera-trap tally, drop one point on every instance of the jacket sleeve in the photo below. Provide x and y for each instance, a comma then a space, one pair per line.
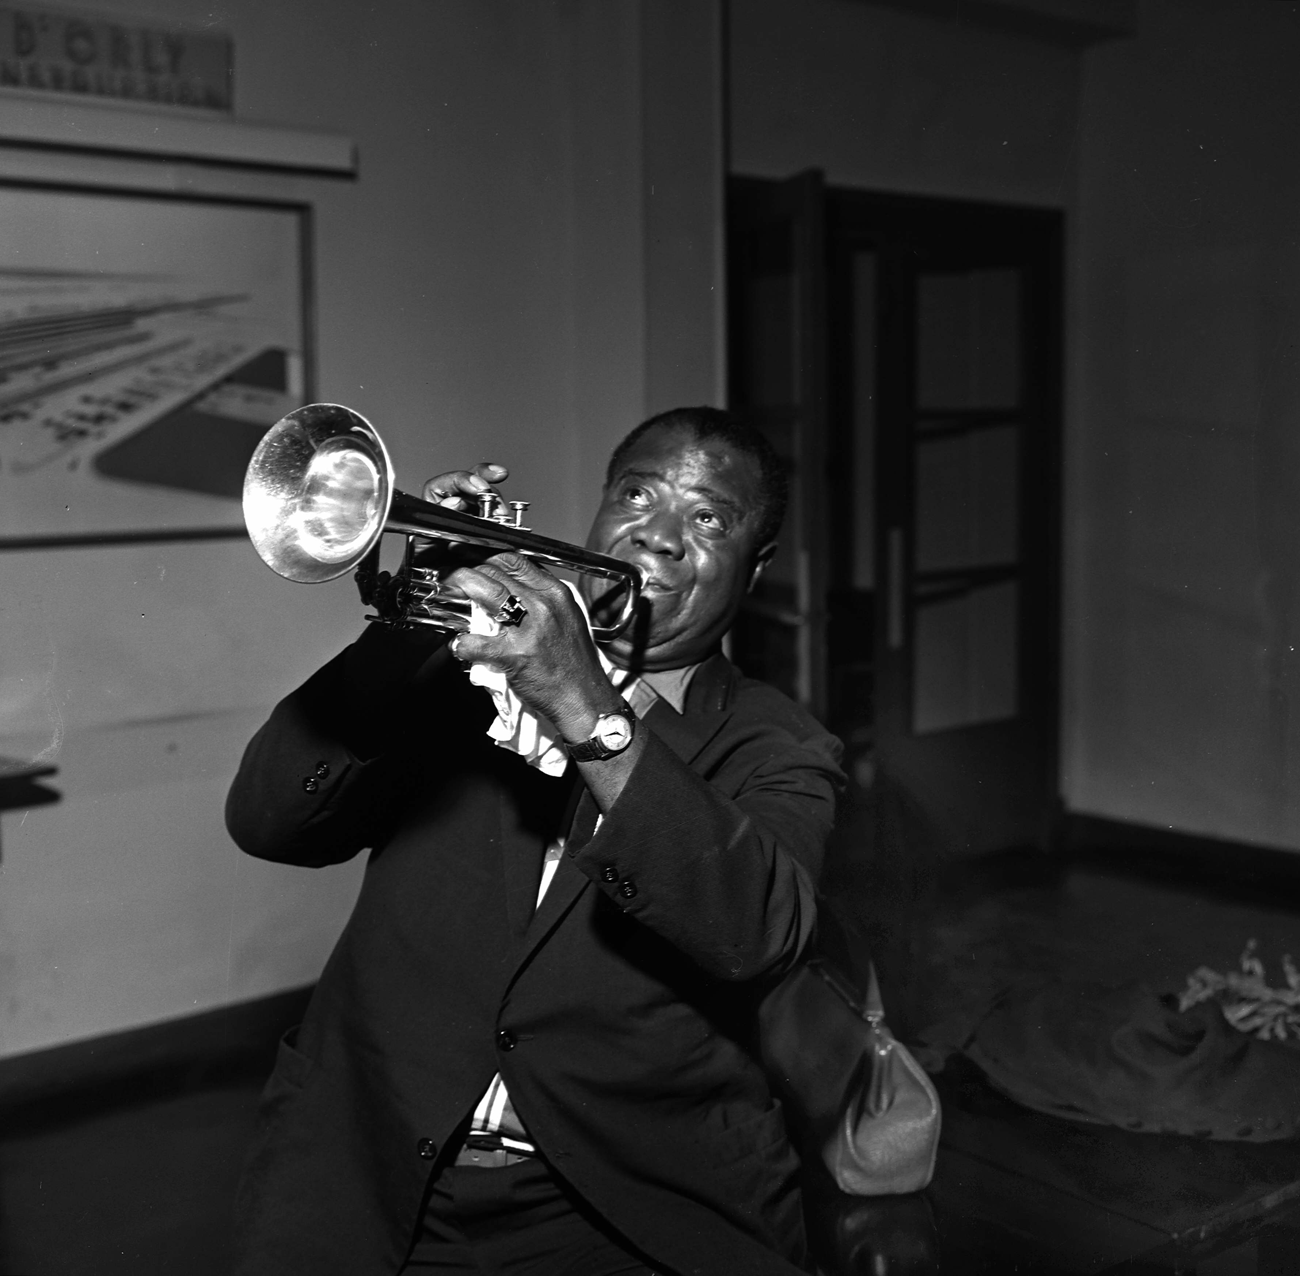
317, 782
721, 858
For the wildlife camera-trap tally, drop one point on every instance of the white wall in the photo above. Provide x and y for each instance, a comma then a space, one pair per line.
483, 290
891, 101
1182, 611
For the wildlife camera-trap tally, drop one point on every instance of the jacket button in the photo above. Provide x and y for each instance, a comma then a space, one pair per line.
427, 1149
322, 769
310, 784
628, 889
506, 1039
609, 873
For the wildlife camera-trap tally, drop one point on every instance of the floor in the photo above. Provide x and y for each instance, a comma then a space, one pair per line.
949, 937
138, 1183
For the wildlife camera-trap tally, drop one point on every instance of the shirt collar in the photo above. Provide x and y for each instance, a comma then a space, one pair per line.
665, 684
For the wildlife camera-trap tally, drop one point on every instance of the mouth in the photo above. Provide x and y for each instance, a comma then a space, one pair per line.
654, 585
650, 582
603, 602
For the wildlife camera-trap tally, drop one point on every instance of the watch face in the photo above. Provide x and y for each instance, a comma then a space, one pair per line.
614, 731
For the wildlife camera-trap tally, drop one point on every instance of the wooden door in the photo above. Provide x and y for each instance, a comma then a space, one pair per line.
964, 374
904, 355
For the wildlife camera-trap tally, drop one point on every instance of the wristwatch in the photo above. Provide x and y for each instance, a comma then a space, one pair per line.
613, 733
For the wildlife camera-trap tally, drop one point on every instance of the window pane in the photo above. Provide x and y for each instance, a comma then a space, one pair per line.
966, 499
966, 659
968, 340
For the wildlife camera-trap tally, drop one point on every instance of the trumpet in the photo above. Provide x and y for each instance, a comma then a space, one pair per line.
319, 496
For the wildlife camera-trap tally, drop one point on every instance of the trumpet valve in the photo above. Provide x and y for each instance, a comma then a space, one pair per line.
493, 508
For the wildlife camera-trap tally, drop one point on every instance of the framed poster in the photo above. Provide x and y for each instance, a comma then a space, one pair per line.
147, 341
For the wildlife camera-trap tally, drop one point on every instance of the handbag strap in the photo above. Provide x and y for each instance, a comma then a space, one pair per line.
868, 1007
874, 1008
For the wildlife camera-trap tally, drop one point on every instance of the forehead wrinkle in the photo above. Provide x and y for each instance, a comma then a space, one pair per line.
640, 474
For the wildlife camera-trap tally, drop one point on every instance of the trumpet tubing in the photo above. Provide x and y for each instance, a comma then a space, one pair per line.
319, 496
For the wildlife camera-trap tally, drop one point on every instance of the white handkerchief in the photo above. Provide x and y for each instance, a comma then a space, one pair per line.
515, 728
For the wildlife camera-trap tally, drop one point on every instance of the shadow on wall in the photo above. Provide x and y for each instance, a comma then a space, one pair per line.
19, 790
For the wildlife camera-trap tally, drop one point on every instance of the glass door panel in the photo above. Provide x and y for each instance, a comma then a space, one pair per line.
964, 596
968, 339
966, 656
967, 499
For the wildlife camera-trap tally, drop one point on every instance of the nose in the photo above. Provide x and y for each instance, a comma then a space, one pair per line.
661, 533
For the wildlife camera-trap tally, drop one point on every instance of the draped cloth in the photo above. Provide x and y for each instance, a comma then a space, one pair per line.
1126, 1056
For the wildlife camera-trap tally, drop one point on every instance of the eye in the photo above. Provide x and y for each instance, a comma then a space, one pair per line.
635, 494
711, 520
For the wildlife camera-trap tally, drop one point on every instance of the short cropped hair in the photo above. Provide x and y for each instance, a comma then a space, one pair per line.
704, 424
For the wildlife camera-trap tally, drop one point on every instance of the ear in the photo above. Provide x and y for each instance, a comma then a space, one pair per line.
761, 560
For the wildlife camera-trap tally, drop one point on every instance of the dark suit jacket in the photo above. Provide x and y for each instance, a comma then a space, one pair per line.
620, 1012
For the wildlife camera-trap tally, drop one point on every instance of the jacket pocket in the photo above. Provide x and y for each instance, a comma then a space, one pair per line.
291, 1070
760, 1171
753, 1136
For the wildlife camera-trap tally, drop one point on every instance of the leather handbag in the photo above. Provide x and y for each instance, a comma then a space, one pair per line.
858, 1099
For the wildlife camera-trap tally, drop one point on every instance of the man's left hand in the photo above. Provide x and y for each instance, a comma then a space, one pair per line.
548, 658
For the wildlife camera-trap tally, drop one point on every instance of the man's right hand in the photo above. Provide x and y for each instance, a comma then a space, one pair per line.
460, 489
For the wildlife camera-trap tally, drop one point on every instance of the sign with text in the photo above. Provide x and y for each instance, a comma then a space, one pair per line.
57, 51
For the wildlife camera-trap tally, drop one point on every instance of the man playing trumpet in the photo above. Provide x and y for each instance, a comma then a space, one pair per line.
532, 1050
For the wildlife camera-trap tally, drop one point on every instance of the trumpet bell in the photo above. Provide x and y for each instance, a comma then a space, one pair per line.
317, 493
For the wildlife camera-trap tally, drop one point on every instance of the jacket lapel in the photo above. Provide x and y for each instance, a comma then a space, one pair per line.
568, 882
520, 873
687, 734
520, 863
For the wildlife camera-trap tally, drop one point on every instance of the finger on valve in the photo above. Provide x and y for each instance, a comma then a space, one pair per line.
460, 489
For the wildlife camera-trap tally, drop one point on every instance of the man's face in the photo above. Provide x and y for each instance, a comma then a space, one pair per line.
687, 513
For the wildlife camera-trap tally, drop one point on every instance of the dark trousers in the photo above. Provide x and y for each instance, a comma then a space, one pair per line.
516, 1221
